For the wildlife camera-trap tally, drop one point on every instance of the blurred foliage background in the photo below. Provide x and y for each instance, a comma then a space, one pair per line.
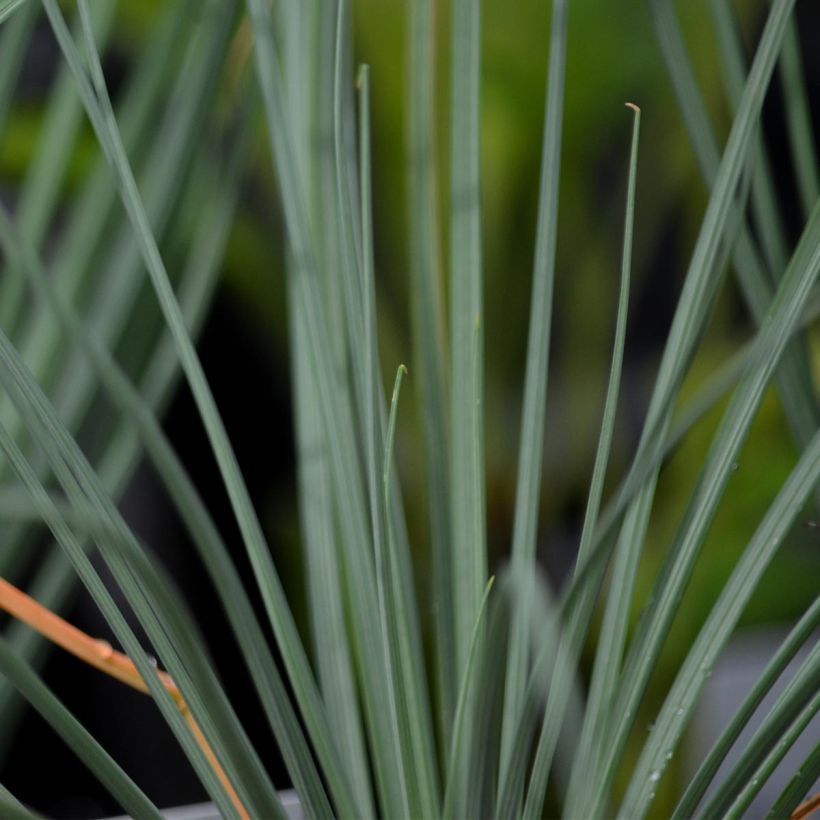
613, 58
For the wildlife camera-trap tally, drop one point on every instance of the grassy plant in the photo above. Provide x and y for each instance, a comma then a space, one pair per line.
497, 716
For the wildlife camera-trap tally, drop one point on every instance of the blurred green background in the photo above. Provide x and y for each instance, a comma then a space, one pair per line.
613, 58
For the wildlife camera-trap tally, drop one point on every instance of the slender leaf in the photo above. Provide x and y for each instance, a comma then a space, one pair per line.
455, 798
10, 806
412, 697
763, 198
607, 658
429, 340
14, 39
551, 657
8, 7
798, 120
359, 277
530, 451
467, 539
115, 780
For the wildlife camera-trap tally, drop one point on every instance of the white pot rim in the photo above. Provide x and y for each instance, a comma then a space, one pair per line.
208, 811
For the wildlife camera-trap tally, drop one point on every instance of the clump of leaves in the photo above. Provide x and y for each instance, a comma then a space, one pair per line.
364, 727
